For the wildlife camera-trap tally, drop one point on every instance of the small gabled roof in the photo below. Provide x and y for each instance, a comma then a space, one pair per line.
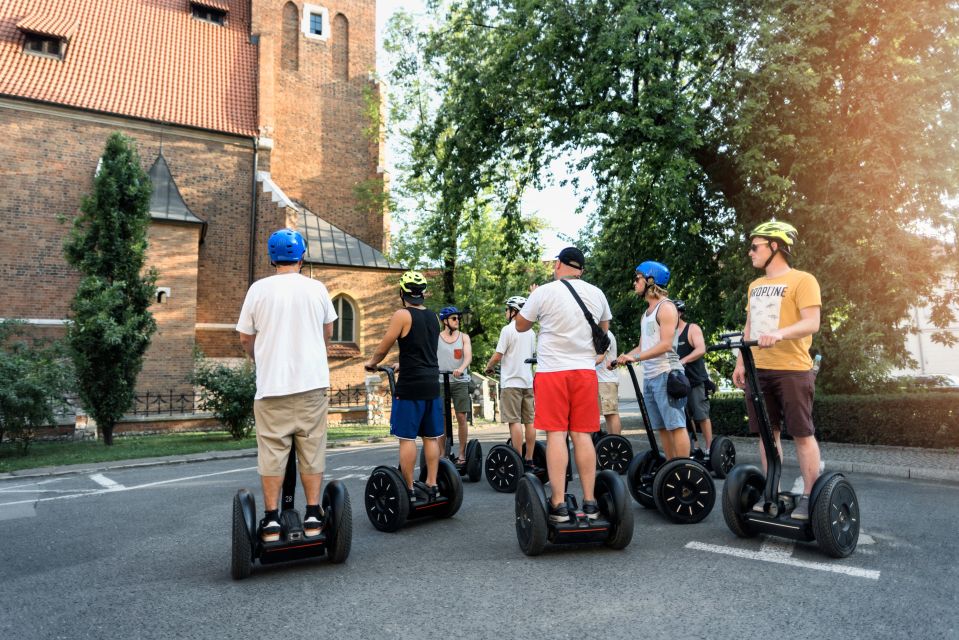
327, 244
166, 203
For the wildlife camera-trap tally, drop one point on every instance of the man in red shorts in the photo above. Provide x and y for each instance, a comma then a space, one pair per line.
565, 389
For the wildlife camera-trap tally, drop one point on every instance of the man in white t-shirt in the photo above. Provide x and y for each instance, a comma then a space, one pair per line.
516, 381
284, 326
566, 388
609, 387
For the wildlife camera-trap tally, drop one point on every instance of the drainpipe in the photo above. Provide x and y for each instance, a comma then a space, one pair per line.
256, 158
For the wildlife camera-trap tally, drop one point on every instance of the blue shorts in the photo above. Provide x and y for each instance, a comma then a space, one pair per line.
412, 418
664, 412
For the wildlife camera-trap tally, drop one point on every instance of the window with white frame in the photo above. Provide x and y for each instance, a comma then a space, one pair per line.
316, 22
344, 329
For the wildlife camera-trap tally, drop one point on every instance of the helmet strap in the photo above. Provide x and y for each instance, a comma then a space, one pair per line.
512, 313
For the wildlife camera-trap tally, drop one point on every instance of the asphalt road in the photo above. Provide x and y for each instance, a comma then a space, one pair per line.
144, 553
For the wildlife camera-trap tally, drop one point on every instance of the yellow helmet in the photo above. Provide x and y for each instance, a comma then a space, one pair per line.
413, 283
776, 230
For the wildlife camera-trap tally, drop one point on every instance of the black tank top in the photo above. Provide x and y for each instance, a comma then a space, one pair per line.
419, 372
695, 370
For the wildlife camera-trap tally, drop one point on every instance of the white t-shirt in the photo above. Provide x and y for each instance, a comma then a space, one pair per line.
603, 372
565, 338
286, 313
516, 348
649, 338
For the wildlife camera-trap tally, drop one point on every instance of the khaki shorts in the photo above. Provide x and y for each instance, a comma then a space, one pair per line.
516, 405
462, 403
608, 398
299, 419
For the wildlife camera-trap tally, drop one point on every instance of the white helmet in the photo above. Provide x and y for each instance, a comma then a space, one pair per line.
516, 303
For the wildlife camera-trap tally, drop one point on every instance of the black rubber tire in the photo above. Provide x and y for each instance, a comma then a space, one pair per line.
684, 491
386, 499
241, 558
451, 485
339, 521
722, 456
598, 435
613, 452
743, 487
539, 455
530, 509
835, 518
504, 468
637, 477
474, 460
614, 506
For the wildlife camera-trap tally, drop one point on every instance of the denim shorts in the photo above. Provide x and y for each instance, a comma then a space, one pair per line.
664, 412
411, 418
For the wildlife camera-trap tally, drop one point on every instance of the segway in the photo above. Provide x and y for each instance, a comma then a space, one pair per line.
504, 465
387, 501
721, 456
472, 467
613, 452
833, 506
681, 489
333, 541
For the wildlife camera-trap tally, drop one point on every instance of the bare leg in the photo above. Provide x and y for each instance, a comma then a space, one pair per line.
680, 442
779, 447
585, 454
516, 436
407, 461
311, 487
431, 451
461, 433
707, 428
271, 491
613, 425
530, 442
807, 450
557, 457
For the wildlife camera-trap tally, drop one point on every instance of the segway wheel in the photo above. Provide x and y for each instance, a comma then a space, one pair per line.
387, 500
743, 488
504, 468
598, 435
613, 452
684, 491
241, 561
531, 525
539, 455
451, 485
339, 521
614, 507
835, 518
474, 460
638, 477
722, 456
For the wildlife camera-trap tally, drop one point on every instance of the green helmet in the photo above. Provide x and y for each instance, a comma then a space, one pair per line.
413, 283
776, 230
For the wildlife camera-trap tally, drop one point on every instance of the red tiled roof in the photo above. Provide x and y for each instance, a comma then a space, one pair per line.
213, 4
141, 58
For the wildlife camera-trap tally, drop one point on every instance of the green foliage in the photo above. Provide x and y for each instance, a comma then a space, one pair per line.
227, 393
35, 378
699, 118
904, 420
111, 325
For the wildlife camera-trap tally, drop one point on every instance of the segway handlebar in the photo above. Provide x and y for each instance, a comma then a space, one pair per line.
728, 341
530, 360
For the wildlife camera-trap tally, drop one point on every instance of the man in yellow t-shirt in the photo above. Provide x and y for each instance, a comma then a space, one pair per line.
782, 313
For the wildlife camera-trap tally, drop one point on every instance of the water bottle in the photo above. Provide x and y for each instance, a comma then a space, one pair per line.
815, 363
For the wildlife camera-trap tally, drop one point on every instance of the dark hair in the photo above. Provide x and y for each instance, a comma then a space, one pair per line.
285, 263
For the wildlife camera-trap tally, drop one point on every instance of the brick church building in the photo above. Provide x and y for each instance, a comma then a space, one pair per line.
249, 115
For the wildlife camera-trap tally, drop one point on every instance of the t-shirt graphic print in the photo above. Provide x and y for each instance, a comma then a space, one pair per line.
775, 303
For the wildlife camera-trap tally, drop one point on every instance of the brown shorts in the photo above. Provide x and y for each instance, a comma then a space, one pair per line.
516, 405
298, 419
608, 398
789, 397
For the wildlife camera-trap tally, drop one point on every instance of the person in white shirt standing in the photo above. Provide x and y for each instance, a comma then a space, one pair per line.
566, 389
516, 381
285, 324
609, 387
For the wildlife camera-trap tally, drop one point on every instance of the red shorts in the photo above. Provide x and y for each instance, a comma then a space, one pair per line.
567, 401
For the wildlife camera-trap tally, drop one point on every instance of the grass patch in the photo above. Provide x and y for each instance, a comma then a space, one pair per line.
49, 454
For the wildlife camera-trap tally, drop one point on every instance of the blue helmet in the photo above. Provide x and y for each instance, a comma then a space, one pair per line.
655, 270
286, 245
446, 312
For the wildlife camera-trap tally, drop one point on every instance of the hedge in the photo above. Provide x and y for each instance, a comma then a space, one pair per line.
928, 420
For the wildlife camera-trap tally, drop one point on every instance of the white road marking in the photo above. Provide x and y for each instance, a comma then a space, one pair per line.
106, 482
778, 557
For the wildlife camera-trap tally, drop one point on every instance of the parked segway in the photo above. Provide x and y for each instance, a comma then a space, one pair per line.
721, 456
333, 541
613, 452
833, 506
681, 489
472, 468
387, 502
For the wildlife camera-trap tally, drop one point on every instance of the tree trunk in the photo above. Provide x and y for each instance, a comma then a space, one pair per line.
107, 435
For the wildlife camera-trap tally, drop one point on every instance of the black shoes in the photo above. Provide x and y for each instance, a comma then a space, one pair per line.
313, 524
591, 509
558, 513
270, 528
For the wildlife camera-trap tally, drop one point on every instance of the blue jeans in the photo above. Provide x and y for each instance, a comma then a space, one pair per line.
664, 412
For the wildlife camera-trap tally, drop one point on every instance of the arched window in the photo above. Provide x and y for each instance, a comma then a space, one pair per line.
344, 329
290, 50
341, 47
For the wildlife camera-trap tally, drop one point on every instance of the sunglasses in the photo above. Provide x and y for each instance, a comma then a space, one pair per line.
754, 247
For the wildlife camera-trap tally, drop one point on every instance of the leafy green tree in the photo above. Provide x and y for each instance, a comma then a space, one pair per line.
111, 325
227, 393
35, 378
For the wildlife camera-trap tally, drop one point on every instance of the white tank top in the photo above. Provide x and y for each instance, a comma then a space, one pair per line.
649, 338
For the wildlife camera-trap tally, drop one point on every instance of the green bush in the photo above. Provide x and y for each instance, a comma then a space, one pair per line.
906, 419
227, 393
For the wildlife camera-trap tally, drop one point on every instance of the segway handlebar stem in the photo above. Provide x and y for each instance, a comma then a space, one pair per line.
642, 408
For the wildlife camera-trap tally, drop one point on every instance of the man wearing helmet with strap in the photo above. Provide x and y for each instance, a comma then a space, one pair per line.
658, 356
782, 313
417, 410
516, 380
284, 325
454, 352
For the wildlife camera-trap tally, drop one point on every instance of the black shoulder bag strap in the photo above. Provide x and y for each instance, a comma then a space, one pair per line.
589, 317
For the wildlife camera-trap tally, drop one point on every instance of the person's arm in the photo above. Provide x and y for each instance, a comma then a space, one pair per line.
522, 324
493, 361
695, 336
808, 325
400, 322
247, 341
739, 372
327, 333
467, 357
667, 318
